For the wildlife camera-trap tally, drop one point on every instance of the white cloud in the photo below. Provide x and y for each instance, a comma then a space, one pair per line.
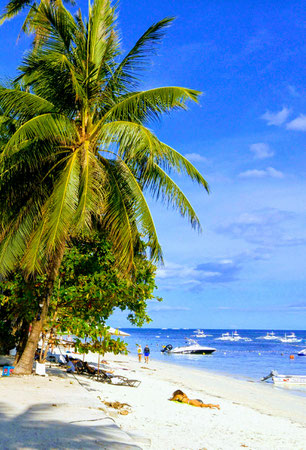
298, 124
255, 173
168, 308
261, 150
293, 91
196, 157
269, 227
277, 118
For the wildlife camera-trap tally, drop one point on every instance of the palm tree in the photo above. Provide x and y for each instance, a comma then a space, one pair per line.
82, 152
15, 7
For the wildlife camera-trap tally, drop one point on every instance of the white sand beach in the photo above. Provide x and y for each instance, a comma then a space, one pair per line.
67, 411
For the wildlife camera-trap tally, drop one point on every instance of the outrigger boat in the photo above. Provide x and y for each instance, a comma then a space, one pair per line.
285, 379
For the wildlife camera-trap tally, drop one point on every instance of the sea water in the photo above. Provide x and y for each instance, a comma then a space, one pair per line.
243, 359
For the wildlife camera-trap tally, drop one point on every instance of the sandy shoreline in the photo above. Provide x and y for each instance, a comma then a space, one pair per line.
251, 415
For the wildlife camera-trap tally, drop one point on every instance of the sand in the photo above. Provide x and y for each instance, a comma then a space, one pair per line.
251, 415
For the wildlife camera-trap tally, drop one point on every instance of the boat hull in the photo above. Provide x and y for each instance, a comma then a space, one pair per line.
196, 351
289, 379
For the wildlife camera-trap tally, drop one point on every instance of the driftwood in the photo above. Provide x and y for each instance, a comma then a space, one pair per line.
119, 406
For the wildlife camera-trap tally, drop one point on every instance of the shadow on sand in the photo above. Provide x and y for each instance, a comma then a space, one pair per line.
47, 426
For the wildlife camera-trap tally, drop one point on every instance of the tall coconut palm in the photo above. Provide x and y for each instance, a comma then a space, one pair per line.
82, 152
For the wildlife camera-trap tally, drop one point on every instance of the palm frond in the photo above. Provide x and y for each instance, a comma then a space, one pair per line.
92, 191
101, 24
171, 158
124, 76
128, 135
53, 22
23, 104
142, 212
150, 104
118, 215
13, 8
16, 234
161, 185
62, 204
53, 127
32, 260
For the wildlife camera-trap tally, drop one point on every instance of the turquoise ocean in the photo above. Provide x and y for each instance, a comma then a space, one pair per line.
242, 359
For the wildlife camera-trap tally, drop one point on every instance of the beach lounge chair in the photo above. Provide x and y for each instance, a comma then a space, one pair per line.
106, 377
119, 380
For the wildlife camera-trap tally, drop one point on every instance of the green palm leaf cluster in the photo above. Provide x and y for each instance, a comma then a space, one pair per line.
76, 147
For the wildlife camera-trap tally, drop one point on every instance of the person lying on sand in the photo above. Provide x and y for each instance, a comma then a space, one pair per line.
179, 396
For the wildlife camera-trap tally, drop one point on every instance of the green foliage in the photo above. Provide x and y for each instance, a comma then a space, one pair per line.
18, 307
80, 152
88, 290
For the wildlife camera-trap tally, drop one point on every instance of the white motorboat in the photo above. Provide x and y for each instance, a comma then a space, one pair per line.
200, 334
286, 379
224, 337
234, 337
191, 348
269, 337
290, 338
302, 352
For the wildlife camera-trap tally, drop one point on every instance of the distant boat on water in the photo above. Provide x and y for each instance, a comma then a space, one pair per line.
269, 337
302, 352
290, 338
200, 334
224, 337
234, 337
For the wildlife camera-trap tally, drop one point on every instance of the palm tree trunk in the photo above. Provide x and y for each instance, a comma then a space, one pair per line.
25, 328
24, 365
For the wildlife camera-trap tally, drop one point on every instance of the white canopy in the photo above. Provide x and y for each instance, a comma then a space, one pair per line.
116, 332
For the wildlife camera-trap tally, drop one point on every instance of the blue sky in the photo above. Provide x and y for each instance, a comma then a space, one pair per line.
247, 137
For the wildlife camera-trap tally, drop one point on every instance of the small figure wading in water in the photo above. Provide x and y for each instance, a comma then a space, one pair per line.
146, 352
139, 351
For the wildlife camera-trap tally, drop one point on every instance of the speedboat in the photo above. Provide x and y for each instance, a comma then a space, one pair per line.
288, 339
269, 337
285, 379
191, 348
302, 352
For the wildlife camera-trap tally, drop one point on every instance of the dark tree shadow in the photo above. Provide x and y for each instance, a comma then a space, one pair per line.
33, 429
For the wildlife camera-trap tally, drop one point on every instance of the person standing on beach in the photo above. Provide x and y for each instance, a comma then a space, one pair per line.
146, 352
139, 351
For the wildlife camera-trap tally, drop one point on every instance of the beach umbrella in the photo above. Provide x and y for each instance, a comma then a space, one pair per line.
116, 332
